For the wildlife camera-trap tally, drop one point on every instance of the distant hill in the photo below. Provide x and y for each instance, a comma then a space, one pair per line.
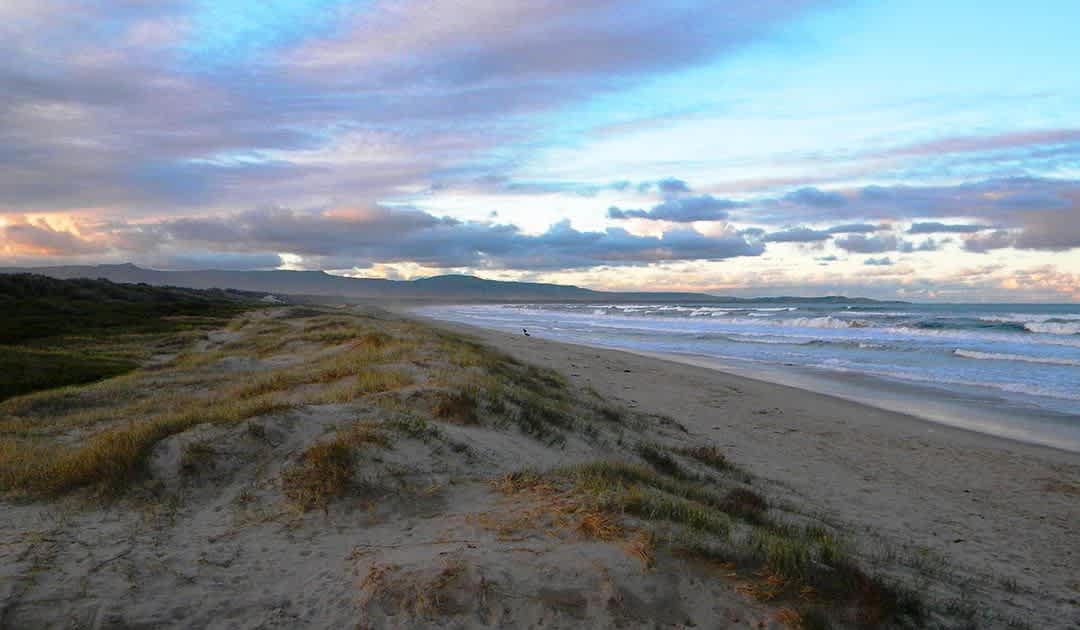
448, 288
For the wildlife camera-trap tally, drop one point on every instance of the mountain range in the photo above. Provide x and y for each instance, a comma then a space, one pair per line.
446, 288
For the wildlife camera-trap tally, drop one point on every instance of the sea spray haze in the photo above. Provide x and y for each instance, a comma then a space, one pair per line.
1019, 363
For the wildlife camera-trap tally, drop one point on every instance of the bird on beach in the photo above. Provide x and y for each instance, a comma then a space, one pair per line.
526, 332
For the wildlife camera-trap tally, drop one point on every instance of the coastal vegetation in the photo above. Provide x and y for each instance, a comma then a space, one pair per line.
311, 418
66, 332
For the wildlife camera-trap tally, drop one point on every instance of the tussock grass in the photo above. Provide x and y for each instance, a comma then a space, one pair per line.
415, 427
783, 555
661, 459
364, 433
745, 504
113, 457
653, 504
324, 473
709, 455
599, 525
458, 406
804, 564
196, 457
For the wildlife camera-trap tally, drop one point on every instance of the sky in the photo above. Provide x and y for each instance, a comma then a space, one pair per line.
920, 150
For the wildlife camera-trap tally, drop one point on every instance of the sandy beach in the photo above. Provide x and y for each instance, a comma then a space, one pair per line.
997, 514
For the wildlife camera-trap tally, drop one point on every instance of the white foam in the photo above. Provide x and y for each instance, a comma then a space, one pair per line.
995, 356
1054, 328
1024, 318
821, 322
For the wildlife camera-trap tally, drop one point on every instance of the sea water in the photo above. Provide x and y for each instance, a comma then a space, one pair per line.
1009, 369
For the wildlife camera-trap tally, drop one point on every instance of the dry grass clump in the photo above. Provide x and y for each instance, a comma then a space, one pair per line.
277, 381
196, 457
324, 473
350, 378
804, 565
599, 525
661, 459
709, 455
642, 545
375, 381
522, 481
372, 341
364, 433
115, 456
458, 406
745, 504
422, 593
413, 426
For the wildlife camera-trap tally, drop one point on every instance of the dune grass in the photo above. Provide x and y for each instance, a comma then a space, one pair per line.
118, 421
698, 517
115, 456
70, 332
325, 472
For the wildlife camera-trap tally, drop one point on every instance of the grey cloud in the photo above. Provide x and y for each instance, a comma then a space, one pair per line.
998, 239
681, 210
852, 228
808, 235
816, 198
1051, 231
868, 244
935, 228
391, 235
672, 186
1043, 213
884, 261
798, 235
929, 245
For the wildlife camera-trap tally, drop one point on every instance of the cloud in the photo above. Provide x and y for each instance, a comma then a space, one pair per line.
997, 239
816, 198
808, 235
850, 228
967, 144
672, 187
884, 261
681, 210
798, 235
861, 244
1044, 213
416, 41
362, 237
38, 238
174, 108
936, 228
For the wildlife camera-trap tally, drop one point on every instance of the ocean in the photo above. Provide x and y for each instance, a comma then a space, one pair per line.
1006, 369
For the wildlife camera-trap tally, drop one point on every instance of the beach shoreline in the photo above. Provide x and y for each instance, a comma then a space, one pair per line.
993, 509
789, 379
967, 414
